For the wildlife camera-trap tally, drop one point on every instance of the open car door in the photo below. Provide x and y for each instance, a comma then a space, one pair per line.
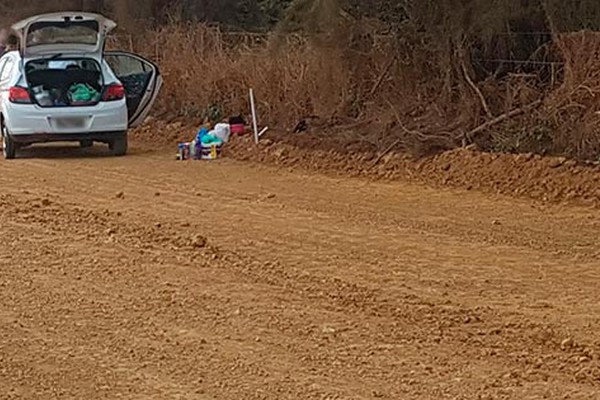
142, 82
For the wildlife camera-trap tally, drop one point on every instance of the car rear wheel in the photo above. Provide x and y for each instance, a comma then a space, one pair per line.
9, 147
119, 145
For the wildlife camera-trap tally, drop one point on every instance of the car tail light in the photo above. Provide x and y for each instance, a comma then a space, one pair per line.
19, 95
114, 92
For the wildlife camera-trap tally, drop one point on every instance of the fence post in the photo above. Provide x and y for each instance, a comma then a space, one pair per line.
254, 116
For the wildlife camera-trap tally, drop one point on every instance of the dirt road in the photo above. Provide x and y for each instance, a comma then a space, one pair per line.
306, 287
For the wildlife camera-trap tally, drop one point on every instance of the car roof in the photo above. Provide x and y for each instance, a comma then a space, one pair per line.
12, 52
13, 55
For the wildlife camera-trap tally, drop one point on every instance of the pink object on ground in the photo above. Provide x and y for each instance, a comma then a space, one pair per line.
238, 129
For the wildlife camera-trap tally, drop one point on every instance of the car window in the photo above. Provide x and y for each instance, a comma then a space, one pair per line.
51, 32
126, 66
6, 71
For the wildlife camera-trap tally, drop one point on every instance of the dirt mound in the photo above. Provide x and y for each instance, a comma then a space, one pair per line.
548, 179
527, 175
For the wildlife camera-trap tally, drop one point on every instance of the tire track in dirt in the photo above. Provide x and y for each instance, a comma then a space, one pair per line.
371, 300
192, 201
536, 238
364, 302
163, 317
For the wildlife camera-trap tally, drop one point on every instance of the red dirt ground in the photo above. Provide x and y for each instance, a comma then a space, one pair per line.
263, 278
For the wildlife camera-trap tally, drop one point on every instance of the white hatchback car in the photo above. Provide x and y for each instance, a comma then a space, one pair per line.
61, 85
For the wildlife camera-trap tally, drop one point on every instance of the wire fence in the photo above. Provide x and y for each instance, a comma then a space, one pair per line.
519, 62
252, 39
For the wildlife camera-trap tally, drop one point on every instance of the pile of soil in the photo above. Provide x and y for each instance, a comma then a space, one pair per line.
525, 175
547, 179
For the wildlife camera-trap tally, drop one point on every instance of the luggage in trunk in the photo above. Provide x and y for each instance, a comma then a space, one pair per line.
64, 83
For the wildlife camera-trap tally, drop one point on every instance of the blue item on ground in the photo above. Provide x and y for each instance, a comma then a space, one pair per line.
210, 139
201, 133
184, 151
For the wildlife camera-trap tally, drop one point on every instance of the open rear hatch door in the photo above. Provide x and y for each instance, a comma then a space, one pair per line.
141, 79
65, 33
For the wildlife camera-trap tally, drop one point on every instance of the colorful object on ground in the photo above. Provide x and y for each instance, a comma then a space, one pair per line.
206, 145
201, 133
211, 151
184, 151
209, 139
238, 129
222, 132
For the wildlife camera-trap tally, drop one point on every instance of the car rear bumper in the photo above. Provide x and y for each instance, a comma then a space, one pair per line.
34, 121
105, 137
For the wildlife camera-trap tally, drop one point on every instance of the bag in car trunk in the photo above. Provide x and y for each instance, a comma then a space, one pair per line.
65, 83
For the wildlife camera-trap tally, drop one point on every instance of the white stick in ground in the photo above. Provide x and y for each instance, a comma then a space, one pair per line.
254, 117
263, 131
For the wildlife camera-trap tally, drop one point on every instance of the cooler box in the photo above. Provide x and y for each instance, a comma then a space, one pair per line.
211, 151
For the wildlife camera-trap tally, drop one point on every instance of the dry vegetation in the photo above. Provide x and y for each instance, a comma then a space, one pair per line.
378, 93
419, 84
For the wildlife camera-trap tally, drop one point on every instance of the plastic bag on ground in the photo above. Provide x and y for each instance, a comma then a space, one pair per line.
210, 139
222, 131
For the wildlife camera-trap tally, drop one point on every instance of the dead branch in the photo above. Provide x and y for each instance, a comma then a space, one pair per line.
475, 88
382, 76
514, 113
399, 121
385, 152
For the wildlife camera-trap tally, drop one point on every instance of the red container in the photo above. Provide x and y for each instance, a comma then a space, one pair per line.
238, 129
